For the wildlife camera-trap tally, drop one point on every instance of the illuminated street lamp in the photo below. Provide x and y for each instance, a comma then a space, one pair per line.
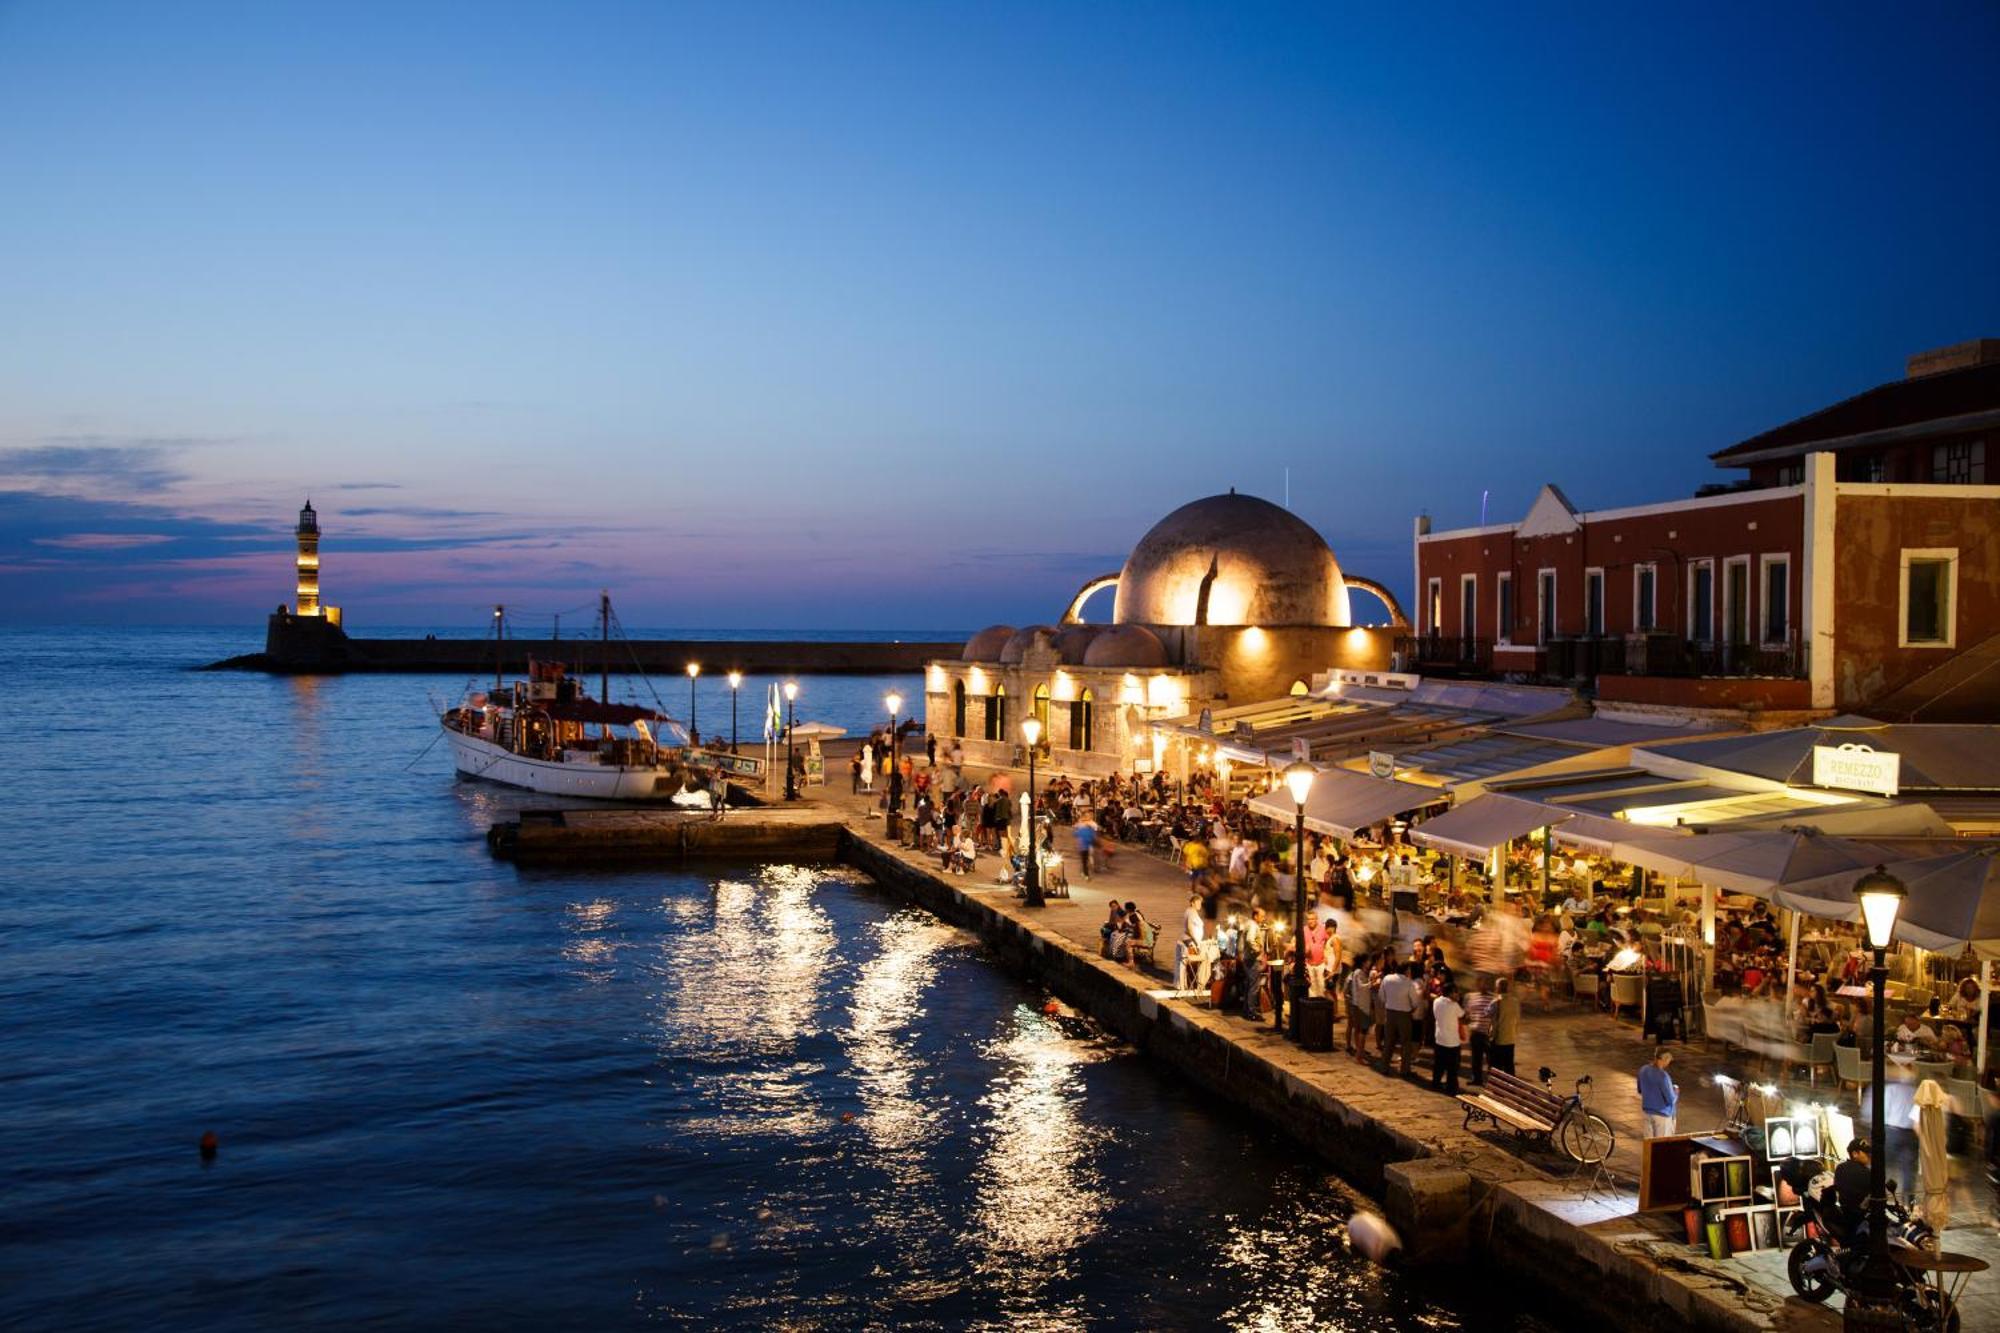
694, 670
1031, 730
791, 717
735, 683
895, 703
1299, 778
1875, 1300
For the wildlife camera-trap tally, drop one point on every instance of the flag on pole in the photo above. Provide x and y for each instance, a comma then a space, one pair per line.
773, 719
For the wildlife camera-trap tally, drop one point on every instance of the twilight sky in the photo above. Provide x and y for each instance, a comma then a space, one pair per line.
839, 315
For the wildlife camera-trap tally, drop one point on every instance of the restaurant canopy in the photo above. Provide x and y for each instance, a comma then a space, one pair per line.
1757, 862
1343, 802
1954, 900
1483, 823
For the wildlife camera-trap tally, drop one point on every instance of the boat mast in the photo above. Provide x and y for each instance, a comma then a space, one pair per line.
604, 615
498, 631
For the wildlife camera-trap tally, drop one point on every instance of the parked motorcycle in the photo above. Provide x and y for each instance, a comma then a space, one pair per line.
1826, 1259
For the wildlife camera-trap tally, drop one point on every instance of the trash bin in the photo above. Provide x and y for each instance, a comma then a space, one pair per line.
1316, 1023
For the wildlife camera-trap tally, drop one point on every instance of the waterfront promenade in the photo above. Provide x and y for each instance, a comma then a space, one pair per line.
1538, 1211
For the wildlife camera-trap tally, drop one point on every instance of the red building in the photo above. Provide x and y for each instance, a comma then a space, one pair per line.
1856, 567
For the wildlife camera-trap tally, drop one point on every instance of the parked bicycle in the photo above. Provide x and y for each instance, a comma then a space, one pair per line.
1583, 1135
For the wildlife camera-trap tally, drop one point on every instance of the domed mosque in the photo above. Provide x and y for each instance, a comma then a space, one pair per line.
1227, 600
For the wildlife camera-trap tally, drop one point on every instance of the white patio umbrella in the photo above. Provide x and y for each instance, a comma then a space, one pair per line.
1933, 1162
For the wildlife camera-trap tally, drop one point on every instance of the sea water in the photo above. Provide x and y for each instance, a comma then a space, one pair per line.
450, 1091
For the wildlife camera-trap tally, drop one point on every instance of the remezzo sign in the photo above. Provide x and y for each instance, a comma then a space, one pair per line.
1856, 767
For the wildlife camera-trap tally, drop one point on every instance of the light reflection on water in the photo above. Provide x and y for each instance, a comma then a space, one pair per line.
451, 1092
1040, 1197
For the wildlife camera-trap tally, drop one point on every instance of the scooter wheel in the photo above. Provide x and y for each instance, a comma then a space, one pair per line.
1814, 1284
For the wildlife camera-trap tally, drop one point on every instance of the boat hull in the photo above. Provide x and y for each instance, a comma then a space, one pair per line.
487, 762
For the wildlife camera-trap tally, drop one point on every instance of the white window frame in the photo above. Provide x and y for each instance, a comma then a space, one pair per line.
1694, 632
1750, 634
1603, 603
1468, 626
1503, 624
1652, 619
1548, 604
1948, 554
1765, 563
1434, 607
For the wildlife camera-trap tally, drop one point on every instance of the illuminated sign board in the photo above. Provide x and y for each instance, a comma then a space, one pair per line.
1856, 767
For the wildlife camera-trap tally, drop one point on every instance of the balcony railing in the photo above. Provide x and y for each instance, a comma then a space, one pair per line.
1573, 659
1439, 655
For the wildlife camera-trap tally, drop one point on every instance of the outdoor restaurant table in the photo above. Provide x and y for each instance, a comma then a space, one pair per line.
1946, 1272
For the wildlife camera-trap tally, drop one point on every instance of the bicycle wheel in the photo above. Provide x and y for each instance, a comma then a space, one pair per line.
1587, 1138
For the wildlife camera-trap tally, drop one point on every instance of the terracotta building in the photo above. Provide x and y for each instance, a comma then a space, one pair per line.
1856, 567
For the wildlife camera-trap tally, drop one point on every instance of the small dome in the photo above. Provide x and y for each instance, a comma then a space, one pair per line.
985, 646
1269, 568
1126, 646
1073, 641
1016, 647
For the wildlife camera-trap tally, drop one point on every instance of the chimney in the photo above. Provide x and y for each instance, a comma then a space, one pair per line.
1977, 352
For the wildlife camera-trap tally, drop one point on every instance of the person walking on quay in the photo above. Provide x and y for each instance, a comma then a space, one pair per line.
1085, 830
930, 751
1506, 1024
1399, 992
854, 770
1250, 959
1479, 1025
1360, 1007
1659, 1099
1447, 1037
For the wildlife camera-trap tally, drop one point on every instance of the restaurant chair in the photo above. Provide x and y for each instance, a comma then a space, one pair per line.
1941, 1070
1847, 1064
1968, 1103
1798, 1055
1821, 1055
1584, 985
1627, 988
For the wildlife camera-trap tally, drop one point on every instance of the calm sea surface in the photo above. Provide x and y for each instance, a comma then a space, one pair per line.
452, 1091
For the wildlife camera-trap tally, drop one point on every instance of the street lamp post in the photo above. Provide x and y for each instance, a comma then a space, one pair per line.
735, 683
694, 670
1874, 1301
791, 718
1031, 729
1299, 777
895, 702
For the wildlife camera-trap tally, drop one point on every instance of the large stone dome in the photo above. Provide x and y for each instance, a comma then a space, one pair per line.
1270, 568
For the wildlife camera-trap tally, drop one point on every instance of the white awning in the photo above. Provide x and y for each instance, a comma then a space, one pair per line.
1483, 823
1954, 901
1343, 802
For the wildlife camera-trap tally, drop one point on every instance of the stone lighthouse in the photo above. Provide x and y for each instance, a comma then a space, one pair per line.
306, 636
308, 534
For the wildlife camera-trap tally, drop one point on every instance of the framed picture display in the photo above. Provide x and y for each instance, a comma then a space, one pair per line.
1780, 1134
1736, 1225
1764, 1228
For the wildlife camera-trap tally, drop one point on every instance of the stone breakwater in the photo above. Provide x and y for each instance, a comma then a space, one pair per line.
472, 657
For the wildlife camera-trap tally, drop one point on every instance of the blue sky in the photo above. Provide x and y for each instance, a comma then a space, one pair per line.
838, 315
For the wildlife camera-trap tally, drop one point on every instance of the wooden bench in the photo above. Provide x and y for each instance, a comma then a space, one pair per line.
1524, 1107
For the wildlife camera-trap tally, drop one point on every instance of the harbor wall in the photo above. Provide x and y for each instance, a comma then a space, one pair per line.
1493, 1212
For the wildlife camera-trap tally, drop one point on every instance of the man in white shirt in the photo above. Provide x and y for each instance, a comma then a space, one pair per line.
1445, 1041
1398, 992
1239, 861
